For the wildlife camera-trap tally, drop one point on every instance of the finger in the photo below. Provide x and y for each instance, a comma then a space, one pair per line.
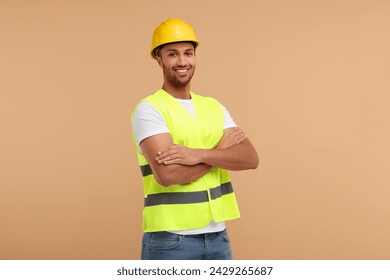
167, 149
241, 139
161, 158
166, 153
238, 135
238, 132
168, 157
238, 138
172, 161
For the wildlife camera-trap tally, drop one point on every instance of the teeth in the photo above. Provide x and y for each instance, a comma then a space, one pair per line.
181, 70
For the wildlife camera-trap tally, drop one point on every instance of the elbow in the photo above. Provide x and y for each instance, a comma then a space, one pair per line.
162, 177
168, 175
251, 157
255, 162
248, 164
166, 179
163, 181
166, 183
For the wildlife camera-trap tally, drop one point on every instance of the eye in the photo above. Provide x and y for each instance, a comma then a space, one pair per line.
189, 53
172, 54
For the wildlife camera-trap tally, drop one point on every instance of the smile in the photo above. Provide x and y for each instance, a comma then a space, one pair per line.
181, 70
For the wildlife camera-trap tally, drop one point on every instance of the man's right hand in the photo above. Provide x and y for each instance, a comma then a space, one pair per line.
231, 136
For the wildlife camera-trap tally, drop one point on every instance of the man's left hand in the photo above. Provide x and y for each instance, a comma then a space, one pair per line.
178, 154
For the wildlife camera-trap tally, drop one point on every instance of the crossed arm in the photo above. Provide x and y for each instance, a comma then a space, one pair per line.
176, 164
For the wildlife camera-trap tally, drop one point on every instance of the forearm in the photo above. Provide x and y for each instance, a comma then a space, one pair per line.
168, 175
241, 156
181, 165
237, 157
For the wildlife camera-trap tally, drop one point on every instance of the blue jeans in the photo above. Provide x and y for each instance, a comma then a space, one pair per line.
164, 245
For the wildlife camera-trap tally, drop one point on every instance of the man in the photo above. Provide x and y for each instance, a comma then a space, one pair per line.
185, 145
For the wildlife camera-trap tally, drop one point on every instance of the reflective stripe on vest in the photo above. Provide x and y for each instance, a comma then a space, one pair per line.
183, 197
187, 197
146, 170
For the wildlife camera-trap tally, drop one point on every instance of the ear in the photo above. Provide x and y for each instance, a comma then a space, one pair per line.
159, 60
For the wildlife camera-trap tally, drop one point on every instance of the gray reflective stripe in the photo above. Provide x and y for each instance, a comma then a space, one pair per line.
176, 198
187, 197
146, 170
221, 190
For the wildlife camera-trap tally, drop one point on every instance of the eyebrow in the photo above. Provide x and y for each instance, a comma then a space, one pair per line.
169, 50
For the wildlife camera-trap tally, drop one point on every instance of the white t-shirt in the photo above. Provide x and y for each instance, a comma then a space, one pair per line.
147, 121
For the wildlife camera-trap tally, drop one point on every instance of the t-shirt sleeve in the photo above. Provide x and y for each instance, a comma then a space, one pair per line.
147, 121
228, 121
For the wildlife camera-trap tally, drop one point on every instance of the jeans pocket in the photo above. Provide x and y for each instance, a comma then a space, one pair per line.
225, 236
165, 241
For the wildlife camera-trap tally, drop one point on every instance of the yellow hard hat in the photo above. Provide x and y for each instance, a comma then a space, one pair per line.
170, 31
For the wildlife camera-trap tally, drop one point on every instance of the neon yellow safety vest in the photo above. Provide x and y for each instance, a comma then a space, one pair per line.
193, 205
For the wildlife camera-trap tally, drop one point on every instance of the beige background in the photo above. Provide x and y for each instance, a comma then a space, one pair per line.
307, 80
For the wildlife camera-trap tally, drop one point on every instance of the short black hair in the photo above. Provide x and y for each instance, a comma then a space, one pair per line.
157, 49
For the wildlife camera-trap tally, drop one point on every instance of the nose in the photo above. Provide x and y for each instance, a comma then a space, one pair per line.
181, 60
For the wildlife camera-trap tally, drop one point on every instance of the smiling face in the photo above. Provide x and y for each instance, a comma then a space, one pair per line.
178, 63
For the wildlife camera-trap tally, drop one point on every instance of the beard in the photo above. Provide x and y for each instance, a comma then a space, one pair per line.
177, 81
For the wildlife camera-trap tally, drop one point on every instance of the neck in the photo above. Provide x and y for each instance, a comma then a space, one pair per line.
178, 92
